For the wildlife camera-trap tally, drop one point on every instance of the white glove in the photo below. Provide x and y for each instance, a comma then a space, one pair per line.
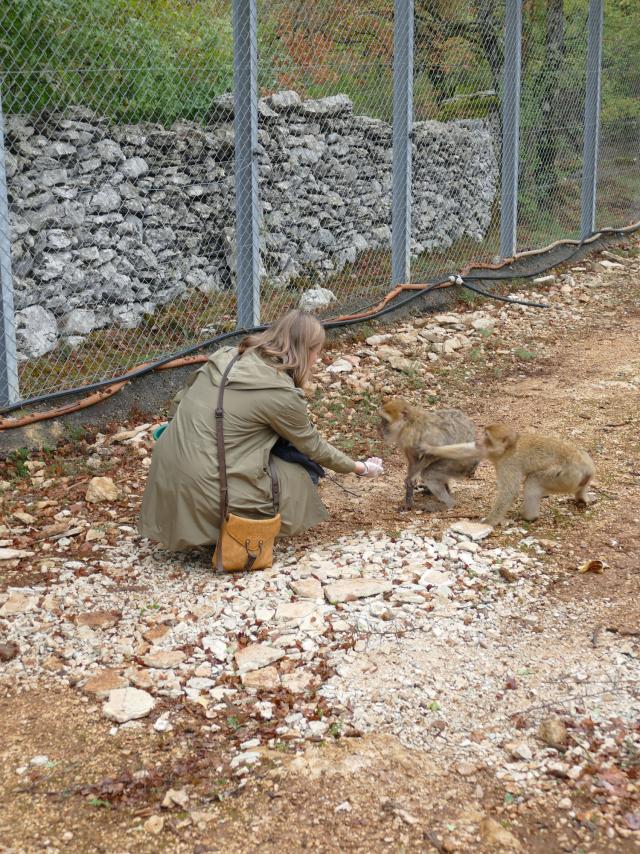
373, 467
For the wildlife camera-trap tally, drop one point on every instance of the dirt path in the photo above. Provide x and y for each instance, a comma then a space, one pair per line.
439, 719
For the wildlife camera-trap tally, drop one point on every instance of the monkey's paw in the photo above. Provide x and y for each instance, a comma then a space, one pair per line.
587, 500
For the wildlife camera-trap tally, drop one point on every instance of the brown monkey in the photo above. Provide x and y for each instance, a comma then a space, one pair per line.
544, 464
410, 427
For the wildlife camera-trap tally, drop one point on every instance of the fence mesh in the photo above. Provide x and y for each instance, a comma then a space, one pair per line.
120, 156
554, 50
325, 164
618, 197
124, 191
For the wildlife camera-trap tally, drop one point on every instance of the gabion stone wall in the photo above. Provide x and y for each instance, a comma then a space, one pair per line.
110, 222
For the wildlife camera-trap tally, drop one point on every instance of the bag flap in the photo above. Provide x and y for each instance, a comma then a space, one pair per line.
251, 533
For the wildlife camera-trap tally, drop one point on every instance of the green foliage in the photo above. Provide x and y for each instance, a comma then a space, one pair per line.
130, 60
524, 355
99, 802
18, 458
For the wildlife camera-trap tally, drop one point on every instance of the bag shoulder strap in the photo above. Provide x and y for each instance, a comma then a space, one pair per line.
222, 462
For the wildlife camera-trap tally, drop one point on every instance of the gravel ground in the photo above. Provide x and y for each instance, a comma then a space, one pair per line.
487, 652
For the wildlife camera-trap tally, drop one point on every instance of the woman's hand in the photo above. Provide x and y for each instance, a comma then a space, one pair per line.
370, 468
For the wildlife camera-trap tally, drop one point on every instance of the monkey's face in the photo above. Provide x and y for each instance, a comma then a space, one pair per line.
392, 420
386, 427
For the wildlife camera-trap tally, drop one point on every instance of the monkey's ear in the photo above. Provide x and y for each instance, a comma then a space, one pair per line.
509, 437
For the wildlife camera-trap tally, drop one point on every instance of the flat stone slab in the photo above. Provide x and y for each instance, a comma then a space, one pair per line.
18, 603
101, 489
265, 679
102, 684
435, 578
307, 588
294, 612
128, 704
98, 619
474, 530
255, 656
14, 554
349, 589
165, 659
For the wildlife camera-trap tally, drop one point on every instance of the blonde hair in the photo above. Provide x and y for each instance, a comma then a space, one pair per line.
287, 344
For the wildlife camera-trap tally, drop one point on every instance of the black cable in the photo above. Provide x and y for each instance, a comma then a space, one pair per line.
510, 300
329, 324
211, 342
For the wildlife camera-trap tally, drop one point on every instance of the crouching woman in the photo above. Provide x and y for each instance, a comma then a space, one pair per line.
263, 405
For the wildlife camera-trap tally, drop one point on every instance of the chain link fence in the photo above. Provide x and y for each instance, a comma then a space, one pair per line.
179, 167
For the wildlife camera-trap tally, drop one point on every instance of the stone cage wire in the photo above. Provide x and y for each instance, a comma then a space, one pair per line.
172, 170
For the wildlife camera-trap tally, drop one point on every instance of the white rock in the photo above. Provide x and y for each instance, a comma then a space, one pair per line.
255, 656
39, 760
473, 530
200, 683
126, 704
483, 322
376, 340
340, 366
36, 331
295, 612
348, 589
610, 265
307, 588
134, 167
435, 578
264, 709
284, 100
164, 659
14, 554
521, 751
18, 603
246, 758
80, 321
154, 824
298, 681
163, 724
175, 797
316, 299
101, 489
216, 646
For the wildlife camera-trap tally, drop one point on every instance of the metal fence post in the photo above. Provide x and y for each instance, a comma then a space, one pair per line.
245, 78
9, 389
510, 127
591, 119
402, 127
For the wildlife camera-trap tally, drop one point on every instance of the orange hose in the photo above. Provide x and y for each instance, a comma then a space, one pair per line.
93, 398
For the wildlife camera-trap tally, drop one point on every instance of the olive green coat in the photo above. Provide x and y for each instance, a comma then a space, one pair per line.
181, 504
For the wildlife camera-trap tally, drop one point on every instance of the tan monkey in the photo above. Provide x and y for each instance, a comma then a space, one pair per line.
409, 428
544, 465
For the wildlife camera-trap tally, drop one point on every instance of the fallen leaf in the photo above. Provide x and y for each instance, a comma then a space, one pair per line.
592, 566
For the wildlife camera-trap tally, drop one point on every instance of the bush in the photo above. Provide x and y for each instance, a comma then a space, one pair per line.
130, 60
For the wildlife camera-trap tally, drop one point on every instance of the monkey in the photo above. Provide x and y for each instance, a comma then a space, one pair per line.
544, 464
410, 427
